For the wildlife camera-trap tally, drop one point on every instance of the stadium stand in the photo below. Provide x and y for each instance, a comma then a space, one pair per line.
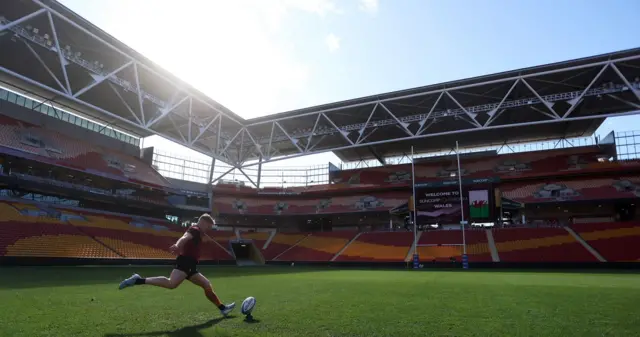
318, 246
574, 190
518, 166
53, 148
119, 201
539, 245
381, 247
616, 242
86, 234
280, 243
285, 205
445, 245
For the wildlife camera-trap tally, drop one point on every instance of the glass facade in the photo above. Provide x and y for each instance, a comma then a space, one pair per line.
197, 170
57, 113
628, 145
183, 168
500, 148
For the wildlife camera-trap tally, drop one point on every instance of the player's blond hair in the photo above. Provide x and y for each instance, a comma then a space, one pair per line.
206, 217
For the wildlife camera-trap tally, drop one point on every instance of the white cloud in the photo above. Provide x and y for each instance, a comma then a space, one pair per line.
369, 6
320, 7
332, 42
275, 12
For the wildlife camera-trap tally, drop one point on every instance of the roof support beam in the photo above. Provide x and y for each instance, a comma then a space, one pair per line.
63, 63
313, 131
636, 91
496, 112
126, 105
22, 19
293, 141
205, 128
455, 88
177, 129
100, 80
273, 127
471, 111
344, 134
361, 131
576, 101
246, 176
224, 150
166, 111
424, 121
46, 67
373, 151
403, 126
546, 103
139, 93
403, 120
190, 119
462, 131
253, 140
472, 116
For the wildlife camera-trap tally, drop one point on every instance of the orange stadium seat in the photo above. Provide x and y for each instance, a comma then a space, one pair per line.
381, 247
321, 246
443, 249
48, 240
92, 236
539, 245
280, 243
616, 242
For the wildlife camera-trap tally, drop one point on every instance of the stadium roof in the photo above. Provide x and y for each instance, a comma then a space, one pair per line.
56, 54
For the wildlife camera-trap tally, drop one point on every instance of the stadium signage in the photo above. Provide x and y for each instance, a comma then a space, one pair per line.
446, 183
436, 198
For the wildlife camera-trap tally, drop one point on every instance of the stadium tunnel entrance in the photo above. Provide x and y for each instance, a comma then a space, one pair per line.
246, 253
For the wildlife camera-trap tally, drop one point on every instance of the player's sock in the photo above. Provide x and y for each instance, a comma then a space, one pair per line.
222, 307
141, 281
214, 298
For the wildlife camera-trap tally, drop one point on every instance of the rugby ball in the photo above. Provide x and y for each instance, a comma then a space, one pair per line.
247, 305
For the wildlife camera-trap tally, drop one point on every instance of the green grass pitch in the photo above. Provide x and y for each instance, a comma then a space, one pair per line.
298, 301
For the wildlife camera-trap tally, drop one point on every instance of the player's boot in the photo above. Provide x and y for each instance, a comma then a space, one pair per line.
228, 308
131, 281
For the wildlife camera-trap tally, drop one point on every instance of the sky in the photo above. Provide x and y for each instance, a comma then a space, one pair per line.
259, 57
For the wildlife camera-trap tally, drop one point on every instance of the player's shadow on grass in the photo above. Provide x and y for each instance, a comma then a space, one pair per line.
187, 331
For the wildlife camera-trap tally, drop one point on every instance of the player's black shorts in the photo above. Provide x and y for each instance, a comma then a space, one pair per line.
187, 264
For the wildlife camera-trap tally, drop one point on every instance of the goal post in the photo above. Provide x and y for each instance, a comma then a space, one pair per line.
437, 251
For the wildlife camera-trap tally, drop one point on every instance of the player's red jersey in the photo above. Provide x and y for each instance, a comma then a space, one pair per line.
192, 247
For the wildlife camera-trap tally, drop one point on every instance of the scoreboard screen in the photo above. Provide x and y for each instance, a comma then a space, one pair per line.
442, 204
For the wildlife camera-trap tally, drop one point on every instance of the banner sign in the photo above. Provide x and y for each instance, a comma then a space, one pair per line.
443, 206
438, 206
454, 182
479, 204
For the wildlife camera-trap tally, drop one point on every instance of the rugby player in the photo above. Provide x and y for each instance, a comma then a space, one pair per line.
187, 249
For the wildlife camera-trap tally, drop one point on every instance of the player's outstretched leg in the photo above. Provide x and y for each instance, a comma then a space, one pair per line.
201, 281
172, 282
